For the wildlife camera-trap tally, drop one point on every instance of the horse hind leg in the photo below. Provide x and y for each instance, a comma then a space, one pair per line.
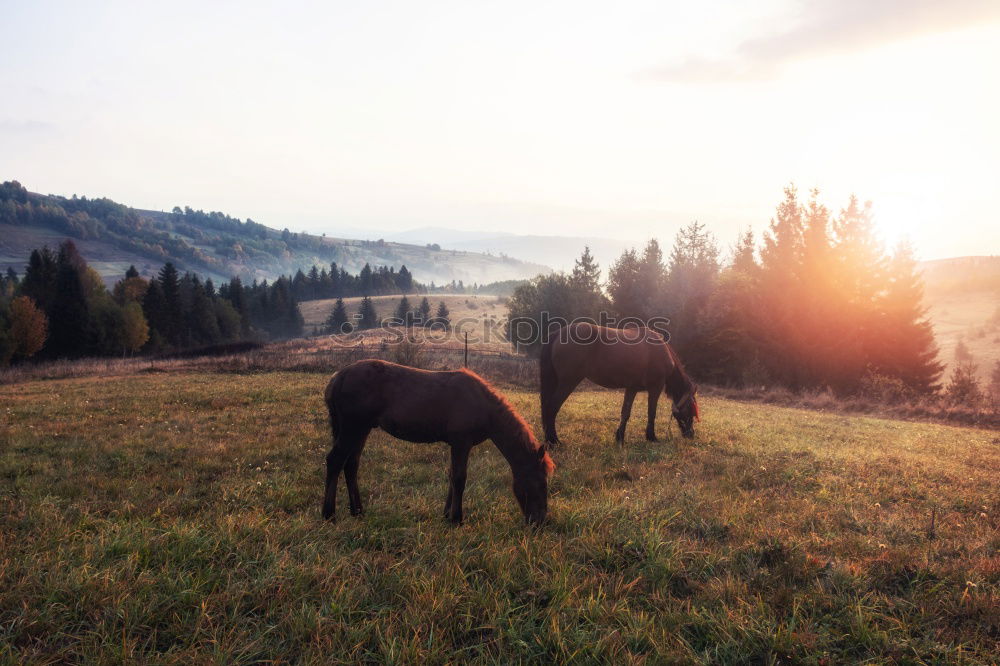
351, 477
344, 446
626, 413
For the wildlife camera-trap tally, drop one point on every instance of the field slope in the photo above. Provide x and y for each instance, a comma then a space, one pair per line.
176, 517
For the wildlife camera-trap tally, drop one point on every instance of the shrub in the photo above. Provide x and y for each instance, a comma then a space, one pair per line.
884, 389
407, 352
963, 387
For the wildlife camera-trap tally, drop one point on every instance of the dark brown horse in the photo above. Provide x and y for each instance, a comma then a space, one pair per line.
635, 359
458, 408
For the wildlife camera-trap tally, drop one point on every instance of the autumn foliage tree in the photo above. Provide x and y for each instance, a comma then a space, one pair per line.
28, 327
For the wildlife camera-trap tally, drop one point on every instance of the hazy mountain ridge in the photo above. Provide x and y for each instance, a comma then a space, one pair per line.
973, 273
559, 252
112, 236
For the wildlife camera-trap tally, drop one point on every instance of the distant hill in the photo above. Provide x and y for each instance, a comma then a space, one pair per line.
963, 299
559, 252
112, 236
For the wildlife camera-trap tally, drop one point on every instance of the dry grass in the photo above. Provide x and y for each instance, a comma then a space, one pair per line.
317, 354
919, 408
174, 516
470, 308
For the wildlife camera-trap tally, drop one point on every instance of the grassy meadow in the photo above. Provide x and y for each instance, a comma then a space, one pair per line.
174, 517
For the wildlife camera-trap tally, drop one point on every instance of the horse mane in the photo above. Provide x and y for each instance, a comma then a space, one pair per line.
513, 420
679, 383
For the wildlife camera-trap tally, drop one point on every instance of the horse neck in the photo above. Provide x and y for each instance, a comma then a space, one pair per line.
511, 438
678, 384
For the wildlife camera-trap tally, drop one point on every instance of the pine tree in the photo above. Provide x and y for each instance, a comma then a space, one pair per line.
131, 272
366, 282
154, 308
744, 254
337, 322
829, 347
201, 319
313, 283
442, 316
237, 296
39, 281
367, 316
624, 286
859, 270
69, 314
300, 284
404, 311
424, 311
906, 347
689, 277
963, 385
171, 319
781, 293
404, 280
586, 274
585, 281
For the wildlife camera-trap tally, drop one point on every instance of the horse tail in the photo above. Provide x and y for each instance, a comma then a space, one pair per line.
548, 381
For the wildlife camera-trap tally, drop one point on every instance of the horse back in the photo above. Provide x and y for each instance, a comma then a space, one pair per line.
408, 403
610, 357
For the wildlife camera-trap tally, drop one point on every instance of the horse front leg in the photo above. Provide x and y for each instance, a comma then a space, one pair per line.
654, 399
456, 479
626, 413
551, 407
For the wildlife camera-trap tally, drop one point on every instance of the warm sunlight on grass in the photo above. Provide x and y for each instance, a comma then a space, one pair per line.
176, 516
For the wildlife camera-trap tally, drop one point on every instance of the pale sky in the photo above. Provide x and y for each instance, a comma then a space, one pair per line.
624, 120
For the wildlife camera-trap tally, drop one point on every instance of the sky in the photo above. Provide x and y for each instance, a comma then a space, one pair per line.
625, 120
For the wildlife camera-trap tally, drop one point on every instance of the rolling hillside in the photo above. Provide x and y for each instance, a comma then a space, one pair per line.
963, 300
112, 236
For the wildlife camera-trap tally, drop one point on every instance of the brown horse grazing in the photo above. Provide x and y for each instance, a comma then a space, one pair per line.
636, 359
458, 408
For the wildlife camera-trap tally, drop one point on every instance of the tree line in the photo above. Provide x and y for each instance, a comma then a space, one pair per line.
61, 308
368, 317
817, 303
319, 283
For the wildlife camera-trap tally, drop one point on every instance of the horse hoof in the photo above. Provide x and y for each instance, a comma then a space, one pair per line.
652, 438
